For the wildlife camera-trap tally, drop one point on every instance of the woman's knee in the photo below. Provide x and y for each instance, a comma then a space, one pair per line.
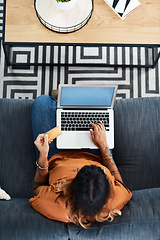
43, 100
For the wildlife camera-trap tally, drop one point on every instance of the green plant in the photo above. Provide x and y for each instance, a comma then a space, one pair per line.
63, 0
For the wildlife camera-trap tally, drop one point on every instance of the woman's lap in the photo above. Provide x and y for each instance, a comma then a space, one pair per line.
44, 119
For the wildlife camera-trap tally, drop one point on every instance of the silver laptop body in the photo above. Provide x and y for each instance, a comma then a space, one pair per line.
77, 106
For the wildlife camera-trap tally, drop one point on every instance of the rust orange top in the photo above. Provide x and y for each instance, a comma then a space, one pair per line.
62, 169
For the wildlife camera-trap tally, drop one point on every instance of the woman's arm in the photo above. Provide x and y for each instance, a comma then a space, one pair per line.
41, 176
99, 139
109, 162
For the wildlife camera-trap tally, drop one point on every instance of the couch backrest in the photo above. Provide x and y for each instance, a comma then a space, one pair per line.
137, 141
17, 154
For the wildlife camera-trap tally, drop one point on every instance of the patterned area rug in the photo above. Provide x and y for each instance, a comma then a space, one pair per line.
30, 82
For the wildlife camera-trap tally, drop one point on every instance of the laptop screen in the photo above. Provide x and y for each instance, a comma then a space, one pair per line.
87, 96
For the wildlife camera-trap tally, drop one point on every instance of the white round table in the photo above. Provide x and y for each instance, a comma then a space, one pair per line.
63, 21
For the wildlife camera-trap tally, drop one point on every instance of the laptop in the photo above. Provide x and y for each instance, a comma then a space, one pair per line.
77, 106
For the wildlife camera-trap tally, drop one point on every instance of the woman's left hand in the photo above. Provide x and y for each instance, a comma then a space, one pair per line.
99, 135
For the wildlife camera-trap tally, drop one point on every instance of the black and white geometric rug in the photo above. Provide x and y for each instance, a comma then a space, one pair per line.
30, 82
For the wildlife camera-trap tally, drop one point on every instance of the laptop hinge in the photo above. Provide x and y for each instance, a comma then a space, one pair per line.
80, 109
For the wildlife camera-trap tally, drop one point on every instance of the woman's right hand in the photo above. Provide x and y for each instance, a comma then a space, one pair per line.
42, 144
98, 135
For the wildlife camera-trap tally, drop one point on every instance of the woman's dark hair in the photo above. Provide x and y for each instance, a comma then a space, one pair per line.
89, 190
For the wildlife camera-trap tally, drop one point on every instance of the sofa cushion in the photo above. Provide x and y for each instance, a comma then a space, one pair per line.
17, 154
140, 220
137, 141
19, 221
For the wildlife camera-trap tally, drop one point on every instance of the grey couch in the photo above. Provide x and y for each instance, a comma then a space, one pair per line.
137, 145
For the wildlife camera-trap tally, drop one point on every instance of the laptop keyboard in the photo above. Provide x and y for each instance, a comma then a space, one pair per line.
80, 121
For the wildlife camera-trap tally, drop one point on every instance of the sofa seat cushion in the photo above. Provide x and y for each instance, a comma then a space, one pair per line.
140, 220
19, 221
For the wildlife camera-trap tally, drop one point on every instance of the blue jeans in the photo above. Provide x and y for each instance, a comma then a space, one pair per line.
44, 119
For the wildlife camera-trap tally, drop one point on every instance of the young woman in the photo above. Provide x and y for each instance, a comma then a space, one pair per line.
74, 186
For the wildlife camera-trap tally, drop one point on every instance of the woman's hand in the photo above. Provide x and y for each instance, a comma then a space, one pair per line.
42, 144
98, 135
41, 176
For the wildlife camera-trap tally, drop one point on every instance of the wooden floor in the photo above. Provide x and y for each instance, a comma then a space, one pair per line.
141, 27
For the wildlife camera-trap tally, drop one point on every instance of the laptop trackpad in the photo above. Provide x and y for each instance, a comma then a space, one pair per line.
83, 140
76, 140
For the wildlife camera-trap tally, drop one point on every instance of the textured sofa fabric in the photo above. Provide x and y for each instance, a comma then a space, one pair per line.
137, 141
137, 138
17, 154
19, 221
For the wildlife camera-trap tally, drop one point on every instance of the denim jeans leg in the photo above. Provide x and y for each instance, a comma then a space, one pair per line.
44, 119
